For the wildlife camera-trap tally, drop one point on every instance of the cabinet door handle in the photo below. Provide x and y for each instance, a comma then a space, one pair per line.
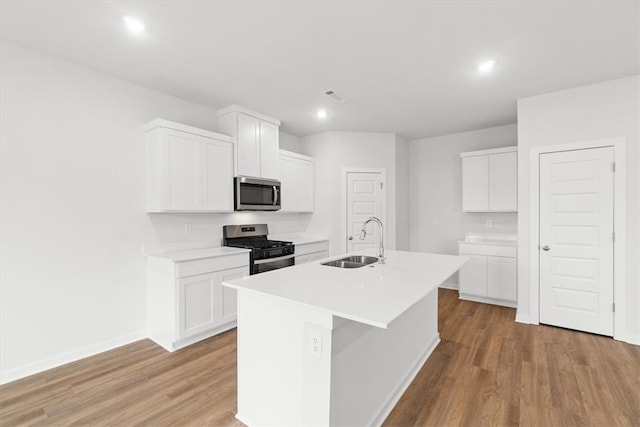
546, 248
350, 237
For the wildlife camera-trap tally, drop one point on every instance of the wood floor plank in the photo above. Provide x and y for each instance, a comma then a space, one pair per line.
487, 370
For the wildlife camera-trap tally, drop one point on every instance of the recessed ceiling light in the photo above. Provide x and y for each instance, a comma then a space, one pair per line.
486, 66
134, 25
321, 114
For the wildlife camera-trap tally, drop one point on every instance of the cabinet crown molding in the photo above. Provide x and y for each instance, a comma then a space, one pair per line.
296, 155
240, 109
489, 151
162, 123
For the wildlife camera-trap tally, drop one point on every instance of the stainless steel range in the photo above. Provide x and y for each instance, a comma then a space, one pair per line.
266, 255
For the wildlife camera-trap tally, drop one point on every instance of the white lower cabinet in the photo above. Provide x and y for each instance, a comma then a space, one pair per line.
490, 275
186, 300
502, 278
308, 252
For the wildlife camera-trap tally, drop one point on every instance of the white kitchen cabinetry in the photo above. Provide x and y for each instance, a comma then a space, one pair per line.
490, 275
188, 169
296, 178
490, 180
313, 251
186, 300
256, 140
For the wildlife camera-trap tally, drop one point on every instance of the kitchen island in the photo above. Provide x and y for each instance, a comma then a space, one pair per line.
321, 345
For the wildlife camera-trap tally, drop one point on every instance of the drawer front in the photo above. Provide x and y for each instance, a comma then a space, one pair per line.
311, 248
490, 250
208, 265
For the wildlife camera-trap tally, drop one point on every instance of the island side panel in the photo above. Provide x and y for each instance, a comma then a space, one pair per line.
281, 381
372, 367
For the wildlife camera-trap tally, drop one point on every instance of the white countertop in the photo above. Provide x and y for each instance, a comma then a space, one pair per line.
193, 254
299, 238
500, 239
374, 295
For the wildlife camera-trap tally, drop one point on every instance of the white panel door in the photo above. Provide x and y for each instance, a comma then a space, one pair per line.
217, 166
364, 199
475, 184
183, 185
576, 247
269, 145
248, 146
503, 188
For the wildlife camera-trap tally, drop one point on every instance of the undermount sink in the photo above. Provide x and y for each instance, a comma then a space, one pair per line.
355, 261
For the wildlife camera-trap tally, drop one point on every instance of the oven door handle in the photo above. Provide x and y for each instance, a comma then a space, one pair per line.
280, 258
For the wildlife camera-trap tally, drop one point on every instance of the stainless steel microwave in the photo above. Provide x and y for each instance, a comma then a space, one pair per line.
256, 194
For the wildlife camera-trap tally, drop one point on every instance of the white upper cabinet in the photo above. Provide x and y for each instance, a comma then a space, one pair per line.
188, 169
296, 179
247, 145
256, 140
269, 146
475, 183
490, 180
503, 181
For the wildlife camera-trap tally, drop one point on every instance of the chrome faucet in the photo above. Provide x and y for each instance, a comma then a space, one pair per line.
363, 234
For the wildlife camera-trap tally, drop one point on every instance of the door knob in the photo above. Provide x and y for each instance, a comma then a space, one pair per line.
545, 248
350, 237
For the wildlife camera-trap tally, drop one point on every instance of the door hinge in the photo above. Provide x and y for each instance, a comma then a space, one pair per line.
613, 237
381, 185
613, 167
613, 307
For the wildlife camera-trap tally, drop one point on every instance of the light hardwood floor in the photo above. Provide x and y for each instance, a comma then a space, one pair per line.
488, 370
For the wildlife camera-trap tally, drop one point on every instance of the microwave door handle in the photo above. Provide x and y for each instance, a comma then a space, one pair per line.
275, 195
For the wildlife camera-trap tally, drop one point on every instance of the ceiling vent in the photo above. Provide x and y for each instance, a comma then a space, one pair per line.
331, 94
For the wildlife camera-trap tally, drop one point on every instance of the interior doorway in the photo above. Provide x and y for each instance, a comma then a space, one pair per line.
576, 239
365, 195
535, 262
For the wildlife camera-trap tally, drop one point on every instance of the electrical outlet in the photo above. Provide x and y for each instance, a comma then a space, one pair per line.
316, 344
489, 223
187, 228
435, 222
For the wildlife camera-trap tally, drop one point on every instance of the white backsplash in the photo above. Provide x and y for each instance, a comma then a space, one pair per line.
167, 231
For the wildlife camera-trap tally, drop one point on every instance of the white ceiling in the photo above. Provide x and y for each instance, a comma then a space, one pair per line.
405, 67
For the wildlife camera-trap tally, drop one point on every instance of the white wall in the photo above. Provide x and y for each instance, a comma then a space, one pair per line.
73, 226
334, 151
436, 218
603, 110
402, 194
289, 142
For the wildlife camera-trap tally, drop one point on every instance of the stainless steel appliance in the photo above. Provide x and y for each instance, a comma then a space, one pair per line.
256, 194
266, 255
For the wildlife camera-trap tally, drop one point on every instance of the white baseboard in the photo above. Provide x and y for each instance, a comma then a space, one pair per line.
449, 285
72, 356
522, 318
632, 339
487, 300
403, 386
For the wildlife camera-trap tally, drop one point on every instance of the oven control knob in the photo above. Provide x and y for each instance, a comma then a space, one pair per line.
258, 255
